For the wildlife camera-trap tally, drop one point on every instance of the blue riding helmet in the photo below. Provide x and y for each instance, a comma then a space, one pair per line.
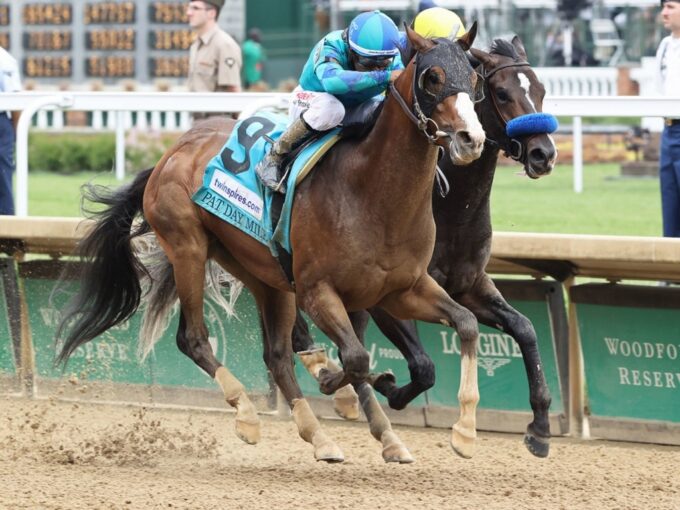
373, 35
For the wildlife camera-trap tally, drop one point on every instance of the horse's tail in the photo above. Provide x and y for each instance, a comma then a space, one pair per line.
161, 296
110, 290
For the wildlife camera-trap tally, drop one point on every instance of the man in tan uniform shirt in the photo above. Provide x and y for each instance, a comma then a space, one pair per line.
214, 57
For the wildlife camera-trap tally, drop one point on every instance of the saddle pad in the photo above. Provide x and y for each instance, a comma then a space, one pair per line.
231, 189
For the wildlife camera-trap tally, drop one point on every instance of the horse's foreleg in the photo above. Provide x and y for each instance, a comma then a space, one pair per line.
192, 338
345, 400
277, 310
381, 429
404, 336
327, 311
489, 306
428, 302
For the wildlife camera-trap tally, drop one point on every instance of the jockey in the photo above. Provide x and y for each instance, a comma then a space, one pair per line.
344, 69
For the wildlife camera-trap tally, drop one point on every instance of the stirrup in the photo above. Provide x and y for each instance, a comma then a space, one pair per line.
268, 172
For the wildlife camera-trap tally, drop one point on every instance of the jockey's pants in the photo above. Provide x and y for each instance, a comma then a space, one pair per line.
320, 110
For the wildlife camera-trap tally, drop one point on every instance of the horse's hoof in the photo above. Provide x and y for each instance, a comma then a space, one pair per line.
346, 403
248, 431
328, 381
382, 383
538, 446
395, 451
463, 445
329, 452
314, 360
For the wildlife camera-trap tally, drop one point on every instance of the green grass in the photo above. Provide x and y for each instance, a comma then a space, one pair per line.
51, 194
608, 205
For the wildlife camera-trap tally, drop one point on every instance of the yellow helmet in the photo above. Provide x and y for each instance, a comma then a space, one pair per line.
438, 22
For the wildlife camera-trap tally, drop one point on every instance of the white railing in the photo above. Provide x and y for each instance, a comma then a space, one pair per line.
558, 81
578, 81
120, 102
29, 103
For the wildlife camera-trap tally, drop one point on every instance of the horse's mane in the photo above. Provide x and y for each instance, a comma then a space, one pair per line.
503, 47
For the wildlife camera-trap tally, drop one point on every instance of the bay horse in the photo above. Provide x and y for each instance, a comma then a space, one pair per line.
362, 234
463, 244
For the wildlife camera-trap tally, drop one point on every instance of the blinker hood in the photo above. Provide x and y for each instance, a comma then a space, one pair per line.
450, 57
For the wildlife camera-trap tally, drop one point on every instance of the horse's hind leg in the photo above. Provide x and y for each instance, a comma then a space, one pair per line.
489, 306
428, 302
188, 261
345, 400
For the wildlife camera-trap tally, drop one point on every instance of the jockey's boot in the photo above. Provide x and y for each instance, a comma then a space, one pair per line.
269, 169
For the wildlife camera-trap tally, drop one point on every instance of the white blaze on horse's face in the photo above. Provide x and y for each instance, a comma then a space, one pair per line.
526, 85
468, 142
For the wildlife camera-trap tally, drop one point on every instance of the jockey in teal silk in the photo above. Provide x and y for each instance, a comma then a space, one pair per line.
344, 69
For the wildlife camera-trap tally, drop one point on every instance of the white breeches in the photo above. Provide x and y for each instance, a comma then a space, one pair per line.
320, 110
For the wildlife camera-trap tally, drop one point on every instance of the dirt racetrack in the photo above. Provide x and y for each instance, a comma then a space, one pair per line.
62, 455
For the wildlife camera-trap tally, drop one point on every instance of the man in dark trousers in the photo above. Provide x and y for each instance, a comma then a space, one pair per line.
10, 81
668, 71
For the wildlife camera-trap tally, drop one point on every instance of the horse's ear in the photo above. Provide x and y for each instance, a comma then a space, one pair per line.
517, 43
417, 42
406, 50
468, 38
481, 56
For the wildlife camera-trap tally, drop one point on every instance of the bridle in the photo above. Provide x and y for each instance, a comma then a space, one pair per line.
416, 113
513, 148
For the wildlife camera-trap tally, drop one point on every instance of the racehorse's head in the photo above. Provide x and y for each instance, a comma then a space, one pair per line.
442, 87
511, 109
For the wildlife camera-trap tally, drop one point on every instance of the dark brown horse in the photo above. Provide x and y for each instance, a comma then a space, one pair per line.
362, 234
463, 244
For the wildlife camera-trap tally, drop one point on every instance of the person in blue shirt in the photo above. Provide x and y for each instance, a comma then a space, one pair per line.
344, 69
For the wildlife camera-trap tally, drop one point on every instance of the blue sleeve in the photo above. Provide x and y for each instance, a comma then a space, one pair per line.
337, 81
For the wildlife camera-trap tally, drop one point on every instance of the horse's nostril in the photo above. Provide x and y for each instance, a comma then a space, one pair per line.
538, 156
464, 138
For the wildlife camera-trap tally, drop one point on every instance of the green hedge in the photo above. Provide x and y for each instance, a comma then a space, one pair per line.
68, 153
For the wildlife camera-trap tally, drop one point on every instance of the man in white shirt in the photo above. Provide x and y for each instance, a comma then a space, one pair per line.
10, 81
668, 70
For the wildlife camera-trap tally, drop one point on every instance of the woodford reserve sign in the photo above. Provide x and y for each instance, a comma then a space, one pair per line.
630, 337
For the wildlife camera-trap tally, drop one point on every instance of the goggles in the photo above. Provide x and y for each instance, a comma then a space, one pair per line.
373, 62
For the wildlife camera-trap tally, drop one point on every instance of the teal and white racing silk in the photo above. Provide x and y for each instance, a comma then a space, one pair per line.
328, 70
232, 191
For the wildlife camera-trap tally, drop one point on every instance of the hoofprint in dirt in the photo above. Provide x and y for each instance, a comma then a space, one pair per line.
65, 455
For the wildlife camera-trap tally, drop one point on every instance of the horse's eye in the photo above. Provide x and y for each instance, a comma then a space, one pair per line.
433, 79
502, 95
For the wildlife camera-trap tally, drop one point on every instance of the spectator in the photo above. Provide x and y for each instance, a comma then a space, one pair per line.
214, 57
668, 65
10, 81
344, 70
322, 15
253, 58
